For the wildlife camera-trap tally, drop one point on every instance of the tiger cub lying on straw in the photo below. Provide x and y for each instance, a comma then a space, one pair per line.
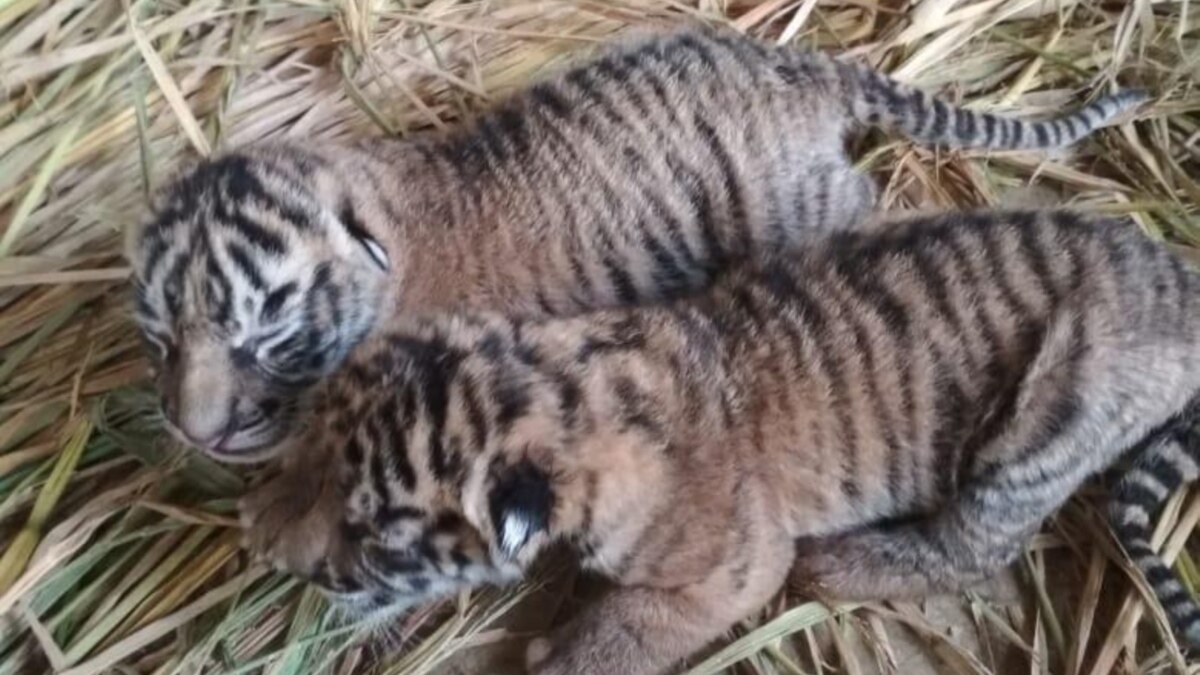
964, 372
630, 178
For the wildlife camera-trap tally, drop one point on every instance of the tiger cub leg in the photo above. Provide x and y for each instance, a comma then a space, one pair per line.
639, 630
1065, 424
292, 521
913, 560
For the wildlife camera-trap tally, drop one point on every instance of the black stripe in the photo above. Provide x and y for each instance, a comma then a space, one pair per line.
591, 98
1043, 137
239, 181
665, 105
691, 44
353, 450
1188, 616
614, 69
219, 291
964, 125
623, 285
941, 119
622, 282
476, 417
953, 409
994, 264
141, 303
882, 417
624, 336
861, 271
1070, 125
800, 204
514, 128
512, 402
276, 299
244, 262
379, 478
1159, 575
1129, 492
635, 407
1173, 597
546, 96
753, 65
690, 180
917, 112
236, 219
1027, 228
928, 273
333, 321
676, 234
1055, 131
491, 143
989, 130
398, 459
154, 256
701, 203
464, 156
1163, 469
352, 224
173, 286
819, 324
669, 276
737, 206
285, 351
890, 93
821, 198
570, 397
1136, 541
434, 379
616, 75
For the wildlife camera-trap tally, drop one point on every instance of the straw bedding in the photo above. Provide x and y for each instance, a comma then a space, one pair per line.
120, 551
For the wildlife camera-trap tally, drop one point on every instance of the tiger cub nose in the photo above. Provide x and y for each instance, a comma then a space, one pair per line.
203, 414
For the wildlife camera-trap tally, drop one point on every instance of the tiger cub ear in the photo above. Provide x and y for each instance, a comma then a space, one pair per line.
358, 232
519, 502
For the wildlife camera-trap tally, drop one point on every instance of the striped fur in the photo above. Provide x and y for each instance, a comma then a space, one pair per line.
902, 409
1160, 464
629, 178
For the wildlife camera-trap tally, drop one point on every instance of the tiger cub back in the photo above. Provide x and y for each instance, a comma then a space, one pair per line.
630, 178
960, 375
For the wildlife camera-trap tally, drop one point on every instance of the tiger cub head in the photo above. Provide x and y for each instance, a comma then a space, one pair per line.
253, 279
445, 444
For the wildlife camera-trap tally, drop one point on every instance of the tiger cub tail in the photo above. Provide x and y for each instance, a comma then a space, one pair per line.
1160, 464
876, 99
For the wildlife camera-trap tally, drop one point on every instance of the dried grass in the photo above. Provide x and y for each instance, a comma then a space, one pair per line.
119, 550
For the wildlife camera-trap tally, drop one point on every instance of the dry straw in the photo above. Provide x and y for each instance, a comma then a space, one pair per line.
119, 551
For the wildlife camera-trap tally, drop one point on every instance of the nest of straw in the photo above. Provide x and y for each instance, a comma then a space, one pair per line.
120, 551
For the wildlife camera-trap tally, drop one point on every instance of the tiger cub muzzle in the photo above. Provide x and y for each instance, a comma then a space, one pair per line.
226, 408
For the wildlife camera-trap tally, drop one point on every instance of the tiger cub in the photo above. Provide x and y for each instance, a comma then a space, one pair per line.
630, 178
960, 374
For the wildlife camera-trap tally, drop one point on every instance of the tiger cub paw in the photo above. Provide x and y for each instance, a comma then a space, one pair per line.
814, 574
291, 522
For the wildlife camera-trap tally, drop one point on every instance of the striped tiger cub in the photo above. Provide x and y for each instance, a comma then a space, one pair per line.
956, 376
630, 178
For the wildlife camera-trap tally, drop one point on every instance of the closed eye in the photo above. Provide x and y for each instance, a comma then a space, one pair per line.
276, 299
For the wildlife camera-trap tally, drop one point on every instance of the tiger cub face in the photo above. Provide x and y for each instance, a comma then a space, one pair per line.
252, 281
439, 440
